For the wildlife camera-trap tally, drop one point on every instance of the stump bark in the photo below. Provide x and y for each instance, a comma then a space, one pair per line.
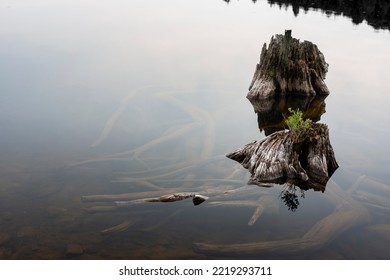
290, 74
306, 160
289, 66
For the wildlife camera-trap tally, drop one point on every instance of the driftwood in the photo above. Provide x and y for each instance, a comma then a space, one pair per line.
125, 225
196, 199
306, 160
289, 66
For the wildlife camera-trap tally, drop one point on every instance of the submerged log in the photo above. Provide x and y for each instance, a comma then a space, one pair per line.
306, 160
289, 66
348, 213
196, 199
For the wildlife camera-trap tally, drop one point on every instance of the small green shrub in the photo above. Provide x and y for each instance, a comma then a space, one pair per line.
295, 121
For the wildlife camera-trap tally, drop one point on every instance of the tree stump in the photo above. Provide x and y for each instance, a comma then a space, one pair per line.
306, 160
289, 66
290, 73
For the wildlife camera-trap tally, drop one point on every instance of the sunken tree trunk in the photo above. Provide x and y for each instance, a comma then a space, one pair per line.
305, 159
289, 66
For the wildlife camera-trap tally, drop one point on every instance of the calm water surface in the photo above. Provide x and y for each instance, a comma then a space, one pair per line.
145, 98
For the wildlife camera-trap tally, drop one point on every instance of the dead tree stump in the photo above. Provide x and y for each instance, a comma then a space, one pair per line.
306, 160
304, 157
289, 66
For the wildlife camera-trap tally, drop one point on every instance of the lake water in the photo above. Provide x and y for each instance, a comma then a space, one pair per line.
145, 98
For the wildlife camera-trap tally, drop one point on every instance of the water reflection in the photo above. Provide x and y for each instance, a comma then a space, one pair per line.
304, 164
75, 104
272, 112
290, 198
348, 213
376, 13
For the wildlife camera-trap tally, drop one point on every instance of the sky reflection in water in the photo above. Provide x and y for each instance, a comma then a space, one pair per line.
72, 69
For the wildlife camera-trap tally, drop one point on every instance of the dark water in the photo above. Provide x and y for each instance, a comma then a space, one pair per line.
145, 98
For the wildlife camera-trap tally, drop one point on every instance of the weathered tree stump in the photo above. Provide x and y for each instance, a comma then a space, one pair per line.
290, 73
305, 159
289, 66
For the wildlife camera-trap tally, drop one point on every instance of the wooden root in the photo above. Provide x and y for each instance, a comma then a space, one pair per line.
196, 199
118, 228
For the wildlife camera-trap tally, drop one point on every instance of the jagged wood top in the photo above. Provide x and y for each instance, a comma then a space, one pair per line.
289, 66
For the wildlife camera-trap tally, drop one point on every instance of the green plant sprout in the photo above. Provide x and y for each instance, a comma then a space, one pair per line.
295, 121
